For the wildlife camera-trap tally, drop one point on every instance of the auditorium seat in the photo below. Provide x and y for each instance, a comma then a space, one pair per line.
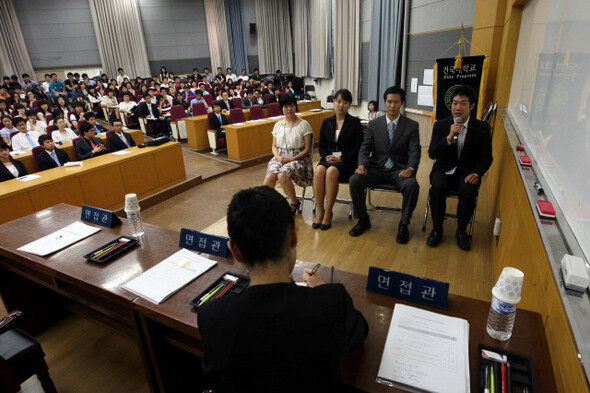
178, 125
236, 115
199, 109
237, 102
35, 152
274, 109
256, 112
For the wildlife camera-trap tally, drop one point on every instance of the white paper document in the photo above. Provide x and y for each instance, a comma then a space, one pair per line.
425, 96
73, 163
426, 351
17, 152
428, 77
414, 85
121, 152
60, 239
238, 124
169, 276
28, 177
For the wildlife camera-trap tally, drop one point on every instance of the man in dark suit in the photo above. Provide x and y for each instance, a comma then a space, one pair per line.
151, 114
51, 157
248, 101
226, 103
217, 120
390, 153
119, 140
460, 162
90, 117
271, 349
88, 146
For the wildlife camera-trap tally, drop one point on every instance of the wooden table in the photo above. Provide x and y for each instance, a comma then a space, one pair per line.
102, 181
29, 162
167, 334
253, 139
197, 126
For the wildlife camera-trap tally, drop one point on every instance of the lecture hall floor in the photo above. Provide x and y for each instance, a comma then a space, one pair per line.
83, 355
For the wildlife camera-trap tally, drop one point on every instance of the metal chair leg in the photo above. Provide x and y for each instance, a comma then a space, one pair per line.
426, 213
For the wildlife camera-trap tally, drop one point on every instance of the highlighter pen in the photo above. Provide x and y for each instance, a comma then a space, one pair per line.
487, 380
103, 250
503, 378
213, 293
227, 287
315, 269
492, 384
112, 249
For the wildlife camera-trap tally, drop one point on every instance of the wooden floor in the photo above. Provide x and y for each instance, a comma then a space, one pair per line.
86, 357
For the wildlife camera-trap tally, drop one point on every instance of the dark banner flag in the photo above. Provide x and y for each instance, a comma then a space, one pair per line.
473, 72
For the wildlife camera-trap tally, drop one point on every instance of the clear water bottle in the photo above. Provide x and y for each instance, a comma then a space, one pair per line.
134, 216
501, 319
505, 296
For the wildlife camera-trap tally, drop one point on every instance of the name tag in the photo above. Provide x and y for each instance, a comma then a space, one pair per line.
203, 242
407, 287
337, 153
98, 216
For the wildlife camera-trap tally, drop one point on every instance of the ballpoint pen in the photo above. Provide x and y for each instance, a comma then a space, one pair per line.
315, 269
487, 380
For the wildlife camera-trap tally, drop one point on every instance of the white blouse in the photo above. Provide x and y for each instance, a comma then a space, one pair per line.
59, 137
291, 138
12, 169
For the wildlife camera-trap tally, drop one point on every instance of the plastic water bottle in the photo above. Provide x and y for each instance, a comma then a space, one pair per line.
134, 216
506, 295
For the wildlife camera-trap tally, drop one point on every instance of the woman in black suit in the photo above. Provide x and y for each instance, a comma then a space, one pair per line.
340, 140
10, 168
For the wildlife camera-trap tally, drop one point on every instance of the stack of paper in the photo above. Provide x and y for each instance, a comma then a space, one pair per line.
426, 351
169, 276
59, 239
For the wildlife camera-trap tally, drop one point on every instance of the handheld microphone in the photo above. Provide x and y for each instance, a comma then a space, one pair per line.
456, 136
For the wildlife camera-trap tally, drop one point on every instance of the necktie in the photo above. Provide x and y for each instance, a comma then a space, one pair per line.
92, 144
461, 141
54, 156
96, 130
220, 122
122, 136
391, 132
31, 142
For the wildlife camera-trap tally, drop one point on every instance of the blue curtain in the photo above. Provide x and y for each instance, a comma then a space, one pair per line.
235, 36
386, 47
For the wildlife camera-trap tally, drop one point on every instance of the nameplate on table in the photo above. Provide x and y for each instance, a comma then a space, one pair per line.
98, 216
203, 242
407, 287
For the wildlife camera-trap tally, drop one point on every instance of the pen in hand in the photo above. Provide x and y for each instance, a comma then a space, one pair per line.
315, 269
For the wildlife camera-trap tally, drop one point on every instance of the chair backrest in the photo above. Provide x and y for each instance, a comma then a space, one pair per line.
138, 97
50, 129
208, 99
36, 151
106, 142
209, 116
177, 113
76, 140
12, 134
199, 109
237, 102
256, 112
48, 117
236, 115
274, 109
267, 98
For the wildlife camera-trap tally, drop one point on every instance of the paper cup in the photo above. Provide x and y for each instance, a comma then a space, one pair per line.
509, 285
131, 203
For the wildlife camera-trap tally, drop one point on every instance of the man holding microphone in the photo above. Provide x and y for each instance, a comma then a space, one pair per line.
461, 146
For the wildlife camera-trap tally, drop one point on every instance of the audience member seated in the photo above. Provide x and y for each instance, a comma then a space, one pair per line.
244, 76
119, 140
258, 100
275, 336
88, 146
128, 107
203, 89
4, 108
225, 102
121, 77
163, 74
82, 92
62, 133
340, 140
219, 78
459, 164
77, 114
269, 89
199, 98
90, 117
34, 124
278, 79
45, 85
89, 82
25, 139
187, 94
390, 153
151, 114
291, 146
231, 76
249, 100
29, 85
10, 168
256, 76
373, 110
51, 157
71, 85
210, 77
20, 110
14, 83
289, 88
8, 128
165, 108
218, 120
109, 102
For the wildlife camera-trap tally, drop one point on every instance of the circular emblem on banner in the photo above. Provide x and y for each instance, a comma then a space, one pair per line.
448, 96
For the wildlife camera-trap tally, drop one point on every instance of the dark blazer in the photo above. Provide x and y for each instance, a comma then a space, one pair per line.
214, 122
117, 144
44, 160
223, 106
145, 112
259, 340
100, 127
6, 175
349, 139
405, 148
476, 156
83, 148
246, 103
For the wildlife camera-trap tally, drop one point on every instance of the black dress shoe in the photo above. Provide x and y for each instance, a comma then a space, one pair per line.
434, 238
402, 234
463, 241
316, 225
360, 227
325, 227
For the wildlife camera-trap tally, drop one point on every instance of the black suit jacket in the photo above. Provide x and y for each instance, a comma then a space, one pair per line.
83, 148
405, 149
349, 139
6, 175
224, 106
44, 160
261, 339
214, 122
100, 127
476, 156
117, 144
246, 103
145, 112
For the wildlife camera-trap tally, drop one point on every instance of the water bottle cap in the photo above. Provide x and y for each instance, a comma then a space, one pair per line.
509, 286
131, 203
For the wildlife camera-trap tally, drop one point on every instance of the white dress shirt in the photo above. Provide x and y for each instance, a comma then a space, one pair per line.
21, 142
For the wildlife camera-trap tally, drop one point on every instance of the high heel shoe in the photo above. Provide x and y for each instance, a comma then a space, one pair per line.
317, 225
295, 207
325, 227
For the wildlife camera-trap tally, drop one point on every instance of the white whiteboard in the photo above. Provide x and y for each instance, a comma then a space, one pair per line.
550, 102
